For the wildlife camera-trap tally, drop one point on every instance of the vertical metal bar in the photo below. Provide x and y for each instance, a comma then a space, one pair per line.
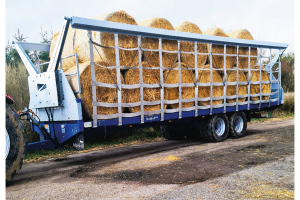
279, 79
161, 80
141, 79
78, 75
179, 81
260, 82
237, 78
93, 80
211, 79
118, 79
225, 81
60, 63
249, 78
196, 80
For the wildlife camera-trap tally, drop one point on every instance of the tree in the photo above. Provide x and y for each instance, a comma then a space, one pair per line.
12, 57
287, 72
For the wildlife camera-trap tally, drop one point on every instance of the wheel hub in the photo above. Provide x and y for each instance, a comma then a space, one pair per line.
7, 141
238, 124
220, 126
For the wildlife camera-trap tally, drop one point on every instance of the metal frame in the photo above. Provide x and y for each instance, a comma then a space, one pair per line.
116, 29
113, 27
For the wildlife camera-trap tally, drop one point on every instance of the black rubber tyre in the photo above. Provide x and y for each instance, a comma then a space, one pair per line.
208, 130
78, 142
171, 132
237, 125
18, 141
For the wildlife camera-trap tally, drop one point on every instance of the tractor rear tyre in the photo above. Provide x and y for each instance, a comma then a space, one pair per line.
15, 143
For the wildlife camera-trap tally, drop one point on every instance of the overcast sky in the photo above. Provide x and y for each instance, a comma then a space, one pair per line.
267, 20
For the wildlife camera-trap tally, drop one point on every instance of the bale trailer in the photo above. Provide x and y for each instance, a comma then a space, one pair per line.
55, 112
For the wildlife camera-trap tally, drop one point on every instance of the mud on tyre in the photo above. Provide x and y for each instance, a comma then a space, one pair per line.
17, 143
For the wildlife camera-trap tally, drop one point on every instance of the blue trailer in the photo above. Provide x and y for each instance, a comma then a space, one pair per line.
56, 114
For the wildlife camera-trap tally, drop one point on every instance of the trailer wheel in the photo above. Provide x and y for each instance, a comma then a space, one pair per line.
214, 128
78, 142
15, 143
237, 125
171, 132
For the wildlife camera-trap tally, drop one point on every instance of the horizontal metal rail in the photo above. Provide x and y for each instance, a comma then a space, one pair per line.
113, 27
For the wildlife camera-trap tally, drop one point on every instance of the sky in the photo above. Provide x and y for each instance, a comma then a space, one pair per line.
267, 20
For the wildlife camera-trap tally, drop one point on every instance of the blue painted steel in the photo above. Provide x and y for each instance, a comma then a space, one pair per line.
113, 27
169, 116
203, 112
185, 114
62, 131
71, 128
188, 114
217, 110
40, 145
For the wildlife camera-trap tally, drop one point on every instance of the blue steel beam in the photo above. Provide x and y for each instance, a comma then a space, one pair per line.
113, 27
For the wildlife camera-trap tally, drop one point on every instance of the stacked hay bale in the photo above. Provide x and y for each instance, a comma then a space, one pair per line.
150, 76
77, 41
204, 91
243, 61
231, 89
128, 58
189, 59
168, 59
172, 77
255, 88
104, 94
218, 60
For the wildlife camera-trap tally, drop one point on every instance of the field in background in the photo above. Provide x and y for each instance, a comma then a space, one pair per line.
17, 88
289, 104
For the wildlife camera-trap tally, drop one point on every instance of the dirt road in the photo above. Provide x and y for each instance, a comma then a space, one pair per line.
170, 170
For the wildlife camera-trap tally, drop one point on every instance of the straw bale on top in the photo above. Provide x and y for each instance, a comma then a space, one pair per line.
204, 91
168, 59
255, 88
231, 89
128, 58
218, 61
189, 59
243, 61
150, 76
77, 41
172, 77
68, 49
103, 94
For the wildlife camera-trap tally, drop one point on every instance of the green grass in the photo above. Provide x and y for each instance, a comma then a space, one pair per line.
275, 116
